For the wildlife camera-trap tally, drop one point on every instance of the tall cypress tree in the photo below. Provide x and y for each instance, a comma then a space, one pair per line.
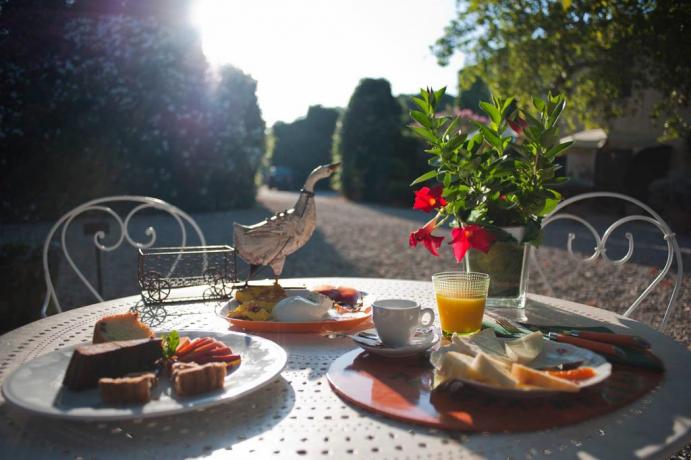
367, 141
305, 143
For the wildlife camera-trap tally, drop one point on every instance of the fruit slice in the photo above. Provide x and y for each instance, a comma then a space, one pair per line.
184, 341
527, 376
581, 373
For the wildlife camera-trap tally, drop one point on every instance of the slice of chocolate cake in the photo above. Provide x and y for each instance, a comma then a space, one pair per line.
111, 359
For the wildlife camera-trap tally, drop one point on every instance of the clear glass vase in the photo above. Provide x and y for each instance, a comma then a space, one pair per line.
506, 263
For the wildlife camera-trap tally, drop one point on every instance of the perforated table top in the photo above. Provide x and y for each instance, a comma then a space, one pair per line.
298, 416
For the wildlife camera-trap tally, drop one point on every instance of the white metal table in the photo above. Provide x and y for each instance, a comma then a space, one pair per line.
298, 416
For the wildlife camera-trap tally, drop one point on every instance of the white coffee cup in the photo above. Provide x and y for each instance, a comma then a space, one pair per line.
397, 319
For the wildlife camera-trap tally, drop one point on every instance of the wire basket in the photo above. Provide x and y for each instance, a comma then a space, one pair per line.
172, 274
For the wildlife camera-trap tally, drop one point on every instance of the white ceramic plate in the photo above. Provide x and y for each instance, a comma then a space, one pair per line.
369, 340
37, 385
553, 354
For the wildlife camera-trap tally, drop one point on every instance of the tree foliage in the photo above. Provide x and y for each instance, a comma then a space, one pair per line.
597, 52
103, 103
305, 143
367, 144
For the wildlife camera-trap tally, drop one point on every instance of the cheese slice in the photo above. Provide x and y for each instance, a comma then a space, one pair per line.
458, 366
525, 349
532, 377
484, 341
492, 371
452, 365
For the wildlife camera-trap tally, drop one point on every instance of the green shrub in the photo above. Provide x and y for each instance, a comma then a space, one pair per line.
23, 287
368, 137
305, 143
107, 104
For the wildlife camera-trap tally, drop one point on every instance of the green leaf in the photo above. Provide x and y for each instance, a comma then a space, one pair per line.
425, 134
438, 94
421, 118
427, 176
550, 204
539, 104
556, 181
170, 344
425, 95
451, 128
557, 149
491, 137
533, 233
507, 103
456, 142
556, 112
424, 106
549, 136
492, 111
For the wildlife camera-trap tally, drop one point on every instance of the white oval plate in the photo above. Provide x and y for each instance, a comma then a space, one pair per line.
553, 354
37, 385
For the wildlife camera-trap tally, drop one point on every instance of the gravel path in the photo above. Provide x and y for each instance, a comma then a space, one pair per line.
366, 240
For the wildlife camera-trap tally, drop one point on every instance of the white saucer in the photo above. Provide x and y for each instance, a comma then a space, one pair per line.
422, 341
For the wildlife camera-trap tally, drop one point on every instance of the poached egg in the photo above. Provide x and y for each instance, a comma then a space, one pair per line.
304, 307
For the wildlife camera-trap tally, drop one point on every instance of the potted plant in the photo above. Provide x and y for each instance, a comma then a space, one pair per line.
492, 185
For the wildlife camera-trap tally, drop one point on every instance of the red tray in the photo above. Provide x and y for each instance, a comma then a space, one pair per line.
401, 389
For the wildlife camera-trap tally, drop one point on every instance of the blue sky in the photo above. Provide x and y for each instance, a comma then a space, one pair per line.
306, 52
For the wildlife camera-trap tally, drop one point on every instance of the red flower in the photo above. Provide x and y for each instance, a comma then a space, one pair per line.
470, 236
424, 235
518, 125
427, 199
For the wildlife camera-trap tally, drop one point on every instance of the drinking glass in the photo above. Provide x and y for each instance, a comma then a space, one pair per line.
461, 298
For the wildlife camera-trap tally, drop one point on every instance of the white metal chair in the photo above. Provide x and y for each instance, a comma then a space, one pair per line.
649, 216
140, 203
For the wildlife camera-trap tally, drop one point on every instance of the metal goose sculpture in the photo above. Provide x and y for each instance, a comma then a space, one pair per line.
270, 241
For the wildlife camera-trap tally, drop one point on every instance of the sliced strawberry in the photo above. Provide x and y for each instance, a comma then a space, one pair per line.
194, 345
194, 356
220, 352
183, 342
186, 347
202, 342
205, 347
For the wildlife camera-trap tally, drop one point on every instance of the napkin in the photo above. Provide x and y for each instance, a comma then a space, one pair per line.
632, 357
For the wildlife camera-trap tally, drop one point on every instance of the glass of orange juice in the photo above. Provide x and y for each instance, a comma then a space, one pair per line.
461, 298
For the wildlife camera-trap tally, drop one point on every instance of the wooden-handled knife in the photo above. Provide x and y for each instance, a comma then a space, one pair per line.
622, 340
598, 347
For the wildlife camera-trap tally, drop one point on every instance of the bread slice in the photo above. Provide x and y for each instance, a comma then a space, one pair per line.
191, 378
125, 326
131, 389
534, 378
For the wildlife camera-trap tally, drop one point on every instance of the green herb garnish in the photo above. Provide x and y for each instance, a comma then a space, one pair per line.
170, 344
